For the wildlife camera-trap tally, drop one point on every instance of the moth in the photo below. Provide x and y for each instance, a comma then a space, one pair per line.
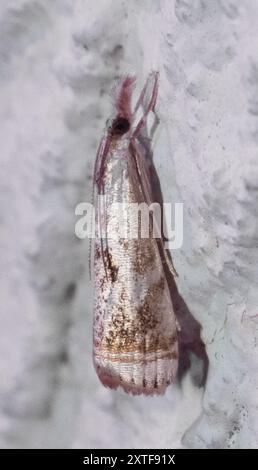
135, 343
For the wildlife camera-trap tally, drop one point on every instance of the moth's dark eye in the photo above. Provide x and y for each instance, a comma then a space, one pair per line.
120, 126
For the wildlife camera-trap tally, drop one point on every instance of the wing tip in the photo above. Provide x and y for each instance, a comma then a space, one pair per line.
113, 382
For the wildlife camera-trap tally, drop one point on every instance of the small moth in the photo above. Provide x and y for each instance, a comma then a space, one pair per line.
135, 342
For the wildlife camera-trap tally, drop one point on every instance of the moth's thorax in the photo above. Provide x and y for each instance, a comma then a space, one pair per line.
119, 145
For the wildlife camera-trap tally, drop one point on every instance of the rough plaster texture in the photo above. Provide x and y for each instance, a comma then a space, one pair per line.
58, 61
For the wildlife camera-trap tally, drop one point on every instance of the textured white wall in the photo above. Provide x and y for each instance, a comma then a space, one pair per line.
58, 61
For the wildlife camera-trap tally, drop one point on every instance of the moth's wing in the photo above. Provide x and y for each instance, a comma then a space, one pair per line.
136, 335
138, 347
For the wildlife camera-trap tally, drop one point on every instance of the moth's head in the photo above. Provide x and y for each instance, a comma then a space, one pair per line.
120, 125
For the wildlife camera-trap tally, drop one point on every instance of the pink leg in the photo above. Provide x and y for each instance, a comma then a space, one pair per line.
151, 105
141, 97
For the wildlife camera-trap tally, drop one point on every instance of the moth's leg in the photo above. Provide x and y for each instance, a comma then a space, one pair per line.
141, 97
140, 102
146, 138
151, 105
155, 124
140, 163
102, 211
90, 241
100, 161
98, 181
